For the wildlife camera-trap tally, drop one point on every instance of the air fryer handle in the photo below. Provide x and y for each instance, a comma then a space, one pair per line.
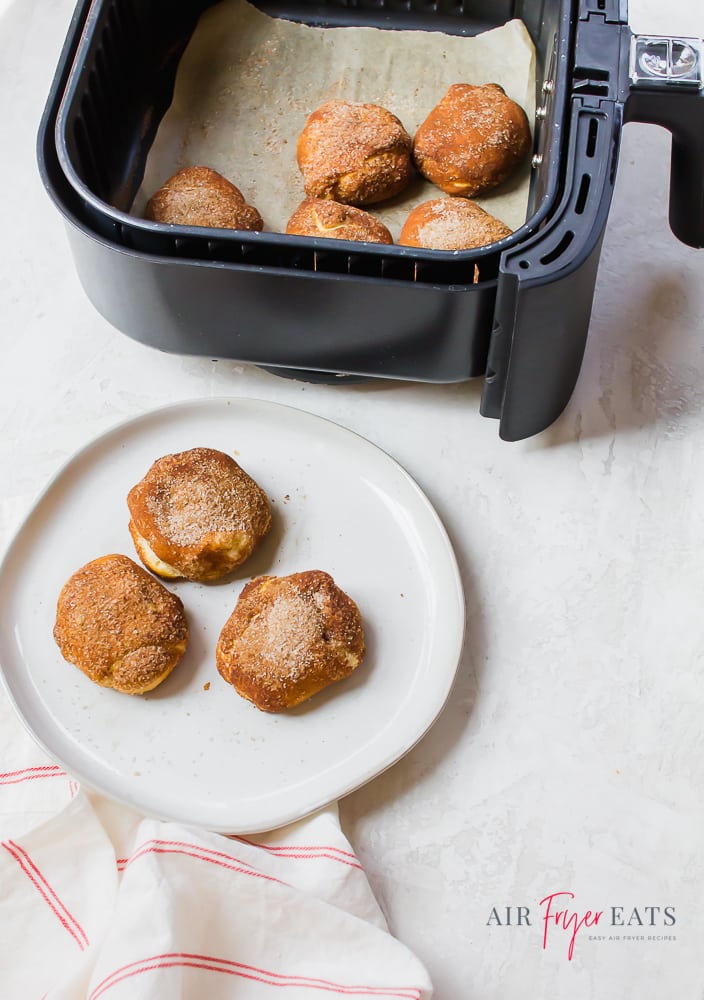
546, 286
683, 115
677, 104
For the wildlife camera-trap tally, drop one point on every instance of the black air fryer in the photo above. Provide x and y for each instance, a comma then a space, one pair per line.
329, 310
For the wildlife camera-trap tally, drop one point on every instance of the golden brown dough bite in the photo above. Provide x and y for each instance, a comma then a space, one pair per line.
288, 638
451, 224
197, 514
119, 625
199, 196
472, 140
320, 217
354, 153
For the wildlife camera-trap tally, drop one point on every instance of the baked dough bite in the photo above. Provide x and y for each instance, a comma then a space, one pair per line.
451, 224
320, 217
199, 196
354, 153
288, 638
472, 140
197, 514
119, 625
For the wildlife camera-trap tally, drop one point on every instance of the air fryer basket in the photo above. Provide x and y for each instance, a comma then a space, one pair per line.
333, 307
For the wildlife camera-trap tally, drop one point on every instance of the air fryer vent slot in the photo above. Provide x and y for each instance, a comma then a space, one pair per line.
445, 8
363, 266
559, 249
590, 81
583, 194
330, 263
580, 73
592, 137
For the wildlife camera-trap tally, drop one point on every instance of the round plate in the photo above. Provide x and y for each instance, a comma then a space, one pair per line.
193, 750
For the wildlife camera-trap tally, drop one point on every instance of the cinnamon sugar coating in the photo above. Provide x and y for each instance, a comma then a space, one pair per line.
354, 153
320, 217
197, 514
119, 625
199, 196
472, 140
451, 224
288, 638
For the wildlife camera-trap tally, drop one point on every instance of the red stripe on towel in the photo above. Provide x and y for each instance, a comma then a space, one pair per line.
251, 972
31, 774
304, 851
45, 890
219, 858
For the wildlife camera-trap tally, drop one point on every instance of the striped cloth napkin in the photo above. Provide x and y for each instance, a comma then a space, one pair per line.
97, 901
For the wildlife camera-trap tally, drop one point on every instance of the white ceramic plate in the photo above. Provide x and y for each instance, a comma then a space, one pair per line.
206, 756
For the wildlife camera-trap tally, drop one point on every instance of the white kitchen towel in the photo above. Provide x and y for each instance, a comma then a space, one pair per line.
97, 901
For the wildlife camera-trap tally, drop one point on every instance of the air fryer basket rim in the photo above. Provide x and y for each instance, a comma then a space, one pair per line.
549, 157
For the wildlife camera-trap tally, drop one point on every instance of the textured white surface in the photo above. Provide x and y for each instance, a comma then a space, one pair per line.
571, 755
